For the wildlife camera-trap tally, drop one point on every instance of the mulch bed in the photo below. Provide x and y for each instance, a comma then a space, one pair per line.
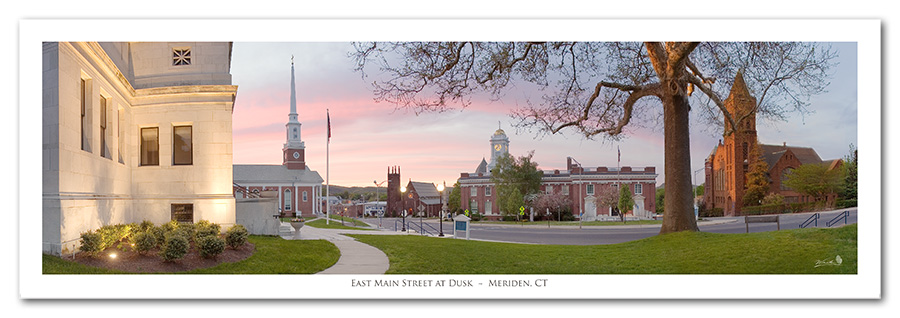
150, 262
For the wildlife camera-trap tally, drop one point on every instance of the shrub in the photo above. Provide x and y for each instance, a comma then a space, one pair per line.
205, 228
159, 234
843, 204
210, 246
176, 247
773, 198
236, 236
144, 241
170, 226
714, 212
91, 243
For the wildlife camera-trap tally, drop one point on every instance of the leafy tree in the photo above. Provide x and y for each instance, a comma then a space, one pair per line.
660, 200
815, 180
849, 188
597, 88
626, 202
757, 178
607, 196
454, 202
555, 203
698, 191
515, 178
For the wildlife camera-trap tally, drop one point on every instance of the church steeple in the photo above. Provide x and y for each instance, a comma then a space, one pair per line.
294, 148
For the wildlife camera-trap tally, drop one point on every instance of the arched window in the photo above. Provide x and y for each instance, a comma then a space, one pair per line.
287, 200
784, 176
746, 150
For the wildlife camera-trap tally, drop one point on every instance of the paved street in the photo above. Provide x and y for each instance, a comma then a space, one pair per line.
539, 233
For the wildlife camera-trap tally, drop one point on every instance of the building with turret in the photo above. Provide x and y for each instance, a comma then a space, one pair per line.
729, 162
580, 185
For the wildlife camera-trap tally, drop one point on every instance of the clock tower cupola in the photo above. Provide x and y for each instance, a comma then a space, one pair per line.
294, 149
499, 146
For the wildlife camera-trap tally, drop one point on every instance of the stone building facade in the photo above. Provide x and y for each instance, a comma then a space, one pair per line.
134, 131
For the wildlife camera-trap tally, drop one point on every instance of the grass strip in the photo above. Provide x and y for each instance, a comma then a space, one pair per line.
779, 252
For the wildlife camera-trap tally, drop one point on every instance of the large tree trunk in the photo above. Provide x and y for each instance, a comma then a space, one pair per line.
679, 210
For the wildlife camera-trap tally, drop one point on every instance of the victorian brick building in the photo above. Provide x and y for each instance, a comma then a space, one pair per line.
415, 197
727, 166
581, 185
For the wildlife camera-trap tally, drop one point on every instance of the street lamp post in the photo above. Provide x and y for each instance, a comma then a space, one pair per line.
440, 189
403, 206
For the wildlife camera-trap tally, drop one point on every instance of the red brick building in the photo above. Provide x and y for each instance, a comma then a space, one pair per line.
581, 185
414, 197
727, 166
298, 188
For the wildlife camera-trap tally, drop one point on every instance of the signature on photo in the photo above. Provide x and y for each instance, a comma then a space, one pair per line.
835, 262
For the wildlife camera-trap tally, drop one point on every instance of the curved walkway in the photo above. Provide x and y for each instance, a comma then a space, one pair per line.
356, 257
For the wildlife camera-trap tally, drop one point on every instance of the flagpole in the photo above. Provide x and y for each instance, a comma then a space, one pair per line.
619, 171
327, 169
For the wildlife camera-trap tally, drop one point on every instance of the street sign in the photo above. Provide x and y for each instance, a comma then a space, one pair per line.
421, 208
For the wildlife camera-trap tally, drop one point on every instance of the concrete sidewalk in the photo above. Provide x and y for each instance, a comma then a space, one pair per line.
356, 257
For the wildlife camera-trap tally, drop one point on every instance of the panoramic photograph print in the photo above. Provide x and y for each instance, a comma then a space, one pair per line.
462, 166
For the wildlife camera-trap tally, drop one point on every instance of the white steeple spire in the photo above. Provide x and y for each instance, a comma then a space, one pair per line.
293, 124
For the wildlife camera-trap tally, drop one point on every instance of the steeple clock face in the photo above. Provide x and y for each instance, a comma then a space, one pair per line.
498, 147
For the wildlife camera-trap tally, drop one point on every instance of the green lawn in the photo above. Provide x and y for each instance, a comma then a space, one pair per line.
273, 255
336, 224
573, 223
779, 252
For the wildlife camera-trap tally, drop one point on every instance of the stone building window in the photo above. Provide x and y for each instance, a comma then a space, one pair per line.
183, 213
104, 146
182, 146
86, 114
121, 134
181, 56
150, 146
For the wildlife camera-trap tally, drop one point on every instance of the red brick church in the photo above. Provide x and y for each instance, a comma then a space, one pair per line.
728, 164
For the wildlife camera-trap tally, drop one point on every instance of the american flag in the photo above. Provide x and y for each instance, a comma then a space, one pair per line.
617, 149
328, 116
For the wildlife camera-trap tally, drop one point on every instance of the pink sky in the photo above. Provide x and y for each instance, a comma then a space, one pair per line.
368, 137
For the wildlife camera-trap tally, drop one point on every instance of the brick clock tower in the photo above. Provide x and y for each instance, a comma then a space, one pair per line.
394, 198
294, 149
738, 145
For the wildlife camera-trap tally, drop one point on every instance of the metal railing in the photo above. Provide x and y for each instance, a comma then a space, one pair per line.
420, 227
844, 215
812, 219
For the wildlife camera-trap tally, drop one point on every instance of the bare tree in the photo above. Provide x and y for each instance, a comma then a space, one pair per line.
598, 88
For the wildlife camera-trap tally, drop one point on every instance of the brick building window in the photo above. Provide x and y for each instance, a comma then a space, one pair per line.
305, 196
287, 199
565, 190
150, 146
473, 191
487, 191
638, 188
784, 176
487, 207
590, 189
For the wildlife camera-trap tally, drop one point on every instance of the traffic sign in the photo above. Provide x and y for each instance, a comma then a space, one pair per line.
521, 210
467, 212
